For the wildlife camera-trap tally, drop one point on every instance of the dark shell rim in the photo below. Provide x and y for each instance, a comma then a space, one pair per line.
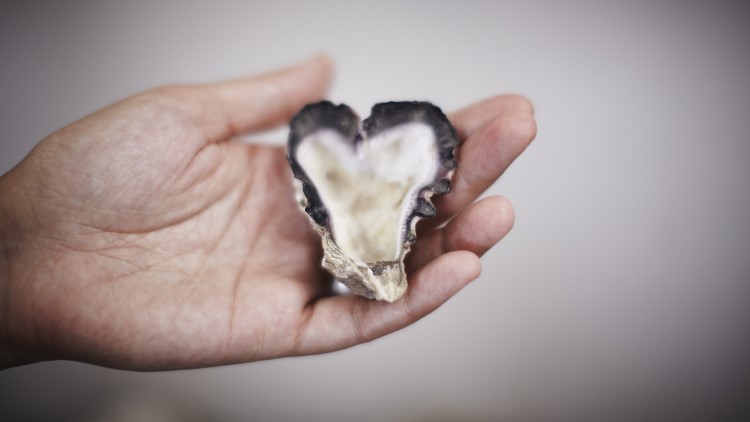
383, 116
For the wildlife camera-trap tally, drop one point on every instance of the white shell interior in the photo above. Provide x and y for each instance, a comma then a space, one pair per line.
370, 191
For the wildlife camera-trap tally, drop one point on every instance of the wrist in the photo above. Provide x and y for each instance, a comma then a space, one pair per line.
11, 237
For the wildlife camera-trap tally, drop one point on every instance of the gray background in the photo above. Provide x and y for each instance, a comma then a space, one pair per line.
619, 295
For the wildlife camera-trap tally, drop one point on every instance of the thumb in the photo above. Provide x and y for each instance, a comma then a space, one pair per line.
262, 102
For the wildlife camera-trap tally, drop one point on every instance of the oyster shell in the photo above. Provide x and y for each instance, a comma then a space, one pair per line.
365, 186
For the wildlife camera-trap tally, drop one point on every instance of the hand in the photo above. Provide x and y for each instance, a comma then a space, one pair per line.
144, 237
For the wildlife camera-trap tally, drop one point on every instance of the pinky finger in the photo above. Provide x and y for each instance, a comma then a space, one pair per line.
343, 321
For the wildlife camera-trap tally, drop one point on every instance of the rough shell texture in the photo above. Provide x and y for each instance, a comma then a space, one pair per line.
365, 185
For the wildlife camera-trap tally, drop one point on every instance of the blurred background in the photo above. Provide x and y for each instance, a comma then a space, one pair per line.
621, 293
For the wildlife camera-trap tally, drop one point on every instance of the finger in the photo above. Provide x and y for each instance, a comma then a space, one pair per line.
482, 159
225, 109
344, 321
470, 119
476, 229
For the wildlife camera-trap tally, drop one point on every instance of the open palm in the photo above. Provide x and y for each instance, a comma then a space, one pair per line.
148, 239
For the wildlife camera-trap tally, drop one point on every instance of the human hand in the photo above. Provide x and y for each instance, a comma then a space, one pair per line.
144, 237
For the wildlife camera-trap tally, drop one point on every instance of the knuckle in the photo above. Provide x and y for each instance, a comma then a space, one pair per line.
179, 101
174, 92
175, 97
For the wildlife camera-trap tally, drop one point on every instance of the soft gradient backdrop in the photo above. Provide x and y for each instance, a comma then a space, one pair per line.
621, 293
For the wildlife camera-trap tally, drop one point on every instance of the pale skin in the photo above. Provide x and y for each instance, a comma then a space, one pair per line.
144, 237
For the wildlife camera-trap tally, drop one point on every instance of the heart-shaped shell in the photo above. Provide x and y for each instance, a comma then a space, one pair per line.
365, 185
